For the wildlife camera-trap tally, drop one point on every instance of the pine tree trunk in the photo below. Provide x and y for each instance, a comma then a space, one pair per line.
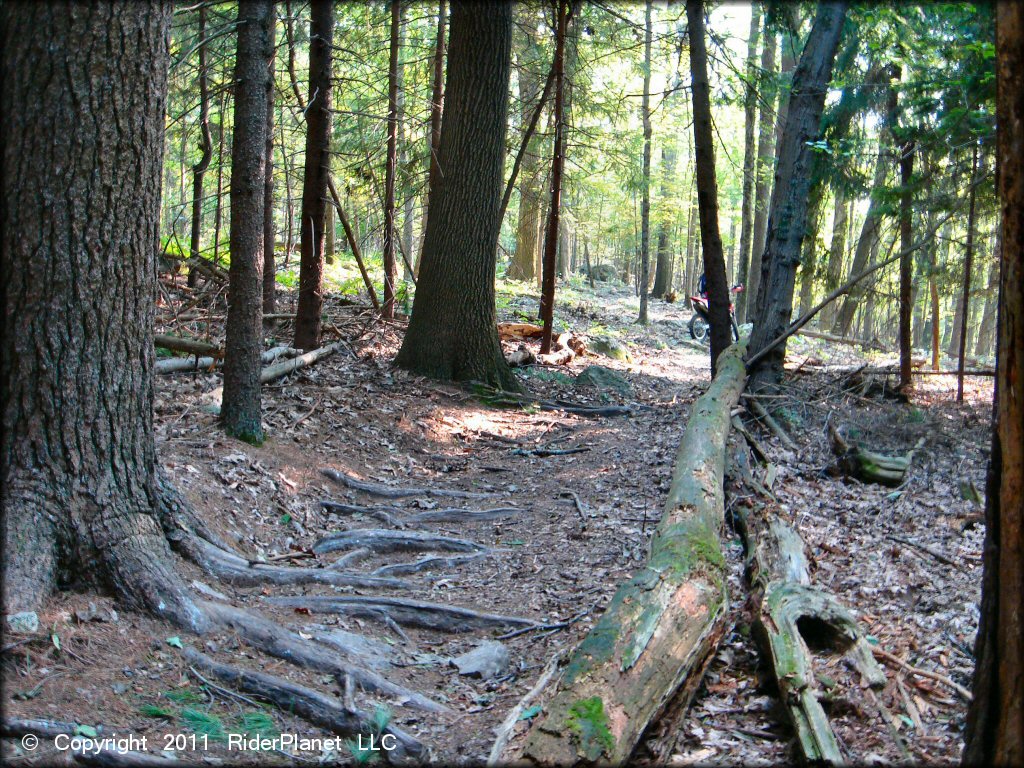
707, 187
391, 167
788, 213
809, 250
79, 486
453, 331
269, 233
437, 101
219, 202
206, 143
314, 185
763, 173
663, 268
995, 720
988, 315
645, 198
836, 254
906, 263
749, 148
240, 410
966, 297
524, 259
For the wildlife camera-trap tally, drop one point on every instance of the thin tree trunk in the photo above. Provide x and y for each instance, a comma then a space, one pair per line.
988, 315
836, 253
547, 294
219, 202
762, 173
524, 259
663, 268
788, 215
314, 186
240, 409
906, 263
286, 166
966, 298
749, 157
206, 144
269, 233
809, 251
645, 199
437, 98
391, 167
995, 719
707, 187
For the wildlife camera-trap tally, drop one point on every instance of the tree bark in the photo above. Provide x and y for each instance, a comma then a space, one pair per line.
314, 185
244, 327
437, 99
269, 234
809, 248
547, 293
762, 172
206, 145
836, 252
453, 334
645, 196
906, 262
80, 216
525, 256
707, 187
788, 216
391, 167
995, 720
966, 297
663, 268
988, 316
749, 157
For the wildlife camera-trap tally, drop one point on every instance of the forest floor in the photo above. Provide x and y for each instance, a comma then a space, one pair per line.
906, 561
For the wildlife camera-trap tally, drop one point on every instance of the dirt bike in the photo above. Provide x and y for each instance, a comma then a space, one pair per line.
700, 328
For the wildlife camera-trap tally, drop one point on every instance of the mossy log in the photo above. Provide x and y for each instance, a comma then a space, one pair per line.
656, 637
790, 619
869, 466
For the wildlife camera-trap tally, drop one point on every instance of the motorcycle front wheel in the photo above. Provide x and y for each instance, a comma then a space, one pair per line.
699, 330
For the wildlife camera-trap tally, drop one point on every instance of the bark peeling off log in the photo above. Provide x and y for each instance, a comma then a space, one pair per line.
661, 628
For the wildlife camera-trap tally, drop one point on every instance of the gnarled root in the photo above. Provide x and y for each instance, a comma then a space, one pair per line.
383, 540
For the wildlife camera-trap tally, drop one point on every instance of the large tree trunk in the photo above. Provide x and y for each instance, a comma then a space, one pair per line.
453, 332
749, 125
243, 344
707, 187
391, 167
762, 172
809, 248
206, 145
654, 640
80, 216
314, 185
547, 293
788, 216
836, 253
645, 183
995, 720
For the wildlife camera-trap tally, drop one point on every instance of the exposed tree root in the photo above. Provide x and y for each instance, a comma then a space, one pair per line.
235, 569
271, 638
383, 540
371, 652
308, 704
390, 492
425, 564
413, 613
384, 514
461, 515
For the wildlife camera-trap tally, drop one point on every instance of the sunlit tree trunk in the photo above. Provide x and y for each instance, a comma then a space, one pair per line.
966, 296
749, 157
391, 167
206, 145
645, 198
269, 233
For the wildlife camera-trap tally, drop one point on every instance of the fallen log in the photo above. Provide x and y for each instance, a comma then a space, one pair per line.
661, 628
519, 331
192, 346
869, 466
791, 617
276, 371
195, 363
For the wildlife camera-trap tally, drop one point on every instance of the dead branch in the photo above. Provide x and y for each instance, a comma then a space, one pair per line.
391, 492
192, 346
939, 678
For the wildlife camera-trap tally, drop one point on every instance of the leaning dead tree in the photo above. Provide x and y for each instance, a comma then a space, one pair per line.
654, 641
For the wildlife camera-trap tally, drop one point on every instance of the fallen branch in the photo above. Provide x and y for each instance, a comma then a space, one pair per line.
939, 678
869, 466
192, 346
873, 344
391, 492
770, 422
353, 244
272, 372
662, 626
504, 731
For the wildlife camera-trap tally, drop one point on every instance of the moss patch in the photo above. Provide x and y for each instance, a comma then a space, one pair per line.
589, 723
